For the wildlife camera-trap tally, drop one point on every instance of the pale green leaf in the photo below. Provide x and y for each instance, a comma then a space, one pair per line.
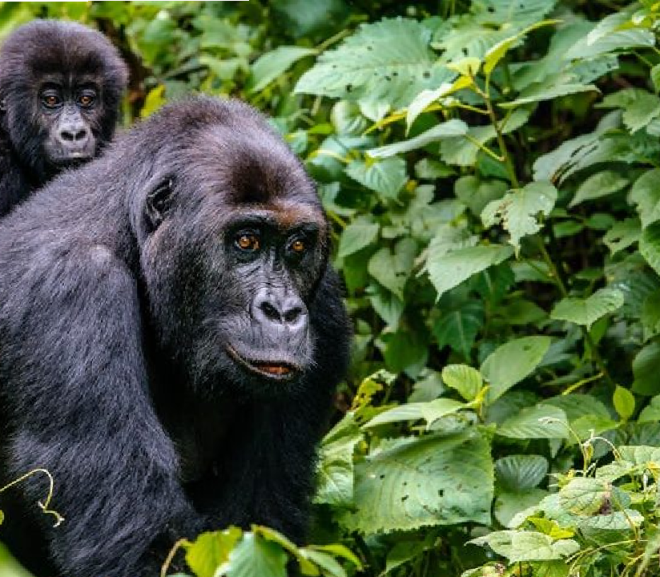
435, 134
255, 556
449, 270
464, 379
541, 92
356, 236
270, 66
512, 362
622, 235
599, 185
386, 177
428, 481
650, 413
585, 496
430, 412
210, 550
645, 193
587, 311
624, 402
392, 268
537, 422
519, 209
649, 245
520, 546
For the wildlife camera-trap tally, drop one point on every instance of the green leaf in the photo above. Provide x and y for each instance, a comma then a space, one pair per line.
649, 246
392, 269
520, 472
599, 185
464, 379
650, 413
520, 546
645, 193
429, 412
428, 481
538, 422
497, 52
476, 193
585, 496
443, 130
655, 77
624, 402
449, 270
623, 235
507, 505
646, 368
356, 236
542, 92
386, 61
335, 463
587, 311
255, 556
518, 210
386, 177
458, 328
512, 362
211, 550
271, 65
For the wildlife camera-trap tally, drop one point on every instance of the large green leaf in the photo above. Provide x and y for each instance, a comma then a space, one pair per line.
520, 472
518, 211
356, 236
520, 546
430, 412
387, 61
449, 270
464, 379
392, 268
433, 480
587, 311
512, 362
210, 550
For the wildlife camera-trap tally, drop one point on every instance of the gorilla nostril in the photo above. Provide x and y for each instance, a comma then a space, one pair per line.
67, 136
270, 311
80, 135
292, 315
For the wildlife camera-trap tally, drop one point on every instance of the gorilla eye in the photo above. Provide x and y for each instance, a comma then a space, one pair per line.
248, 242
298, 246
51, 100
86, 100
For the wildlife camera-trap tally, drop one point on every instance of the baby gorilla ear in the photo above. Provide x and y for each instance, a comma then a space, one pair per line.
158, 203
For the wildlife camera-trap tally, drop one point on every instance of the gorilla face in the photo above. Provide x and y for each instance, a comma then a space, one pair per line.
244, 270
60, 88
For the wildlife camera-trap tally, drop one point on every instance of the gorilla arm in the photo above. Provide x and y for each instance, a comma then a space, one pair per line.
90, 421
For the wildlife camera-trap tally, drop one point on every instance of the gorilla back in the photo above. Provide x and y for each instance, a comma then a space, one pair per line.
60, 89
170, 337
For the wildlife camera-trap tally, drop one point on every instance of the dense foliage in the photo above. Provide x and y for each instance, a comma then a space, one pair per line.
492, 169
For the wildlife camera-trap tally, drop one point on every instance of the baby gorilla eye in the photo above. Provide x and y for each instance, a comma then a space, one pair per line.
50, 100
86, 100
298, 246
248, 242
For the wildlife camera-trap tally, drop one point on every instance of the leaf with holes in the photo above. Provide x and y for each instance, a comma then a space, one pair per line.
428, 481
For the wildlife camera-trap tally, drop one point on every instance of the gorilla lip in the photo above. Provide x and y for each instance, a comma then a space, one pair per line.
271, 369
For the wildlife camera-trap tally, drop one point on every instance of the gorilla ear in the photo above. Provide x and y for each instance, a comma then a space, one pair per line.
158, 203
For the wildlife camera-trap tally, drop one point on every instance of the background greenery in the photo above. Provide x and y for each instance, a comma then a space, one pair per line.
492, 169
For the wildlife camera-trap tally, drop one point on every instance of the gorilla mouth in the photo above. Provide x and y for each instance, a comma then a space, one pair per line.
272, 369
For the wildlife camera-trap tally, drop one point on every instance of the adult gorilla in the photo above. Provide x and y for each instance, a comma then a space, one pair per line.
60, 89
170, 335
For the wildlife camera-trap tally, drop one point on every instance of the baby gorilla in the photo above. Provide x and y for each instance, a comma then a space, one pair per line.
60, 89
170, 337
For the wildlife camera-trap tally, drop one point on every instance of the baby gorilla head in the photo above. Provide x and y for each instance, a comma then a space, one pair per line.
60, 87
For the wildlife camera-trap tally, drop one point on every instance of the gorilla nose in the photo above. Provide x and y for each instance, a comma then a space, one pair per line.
285, 311
73, 136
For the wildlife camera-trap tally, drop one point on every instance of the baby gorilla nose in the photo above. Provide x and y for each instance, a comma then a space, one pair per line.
74, 137
275, 309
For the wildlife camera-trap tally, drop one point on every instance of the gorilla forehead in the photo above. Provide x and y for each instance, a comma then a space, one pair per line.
73, 49
227, 148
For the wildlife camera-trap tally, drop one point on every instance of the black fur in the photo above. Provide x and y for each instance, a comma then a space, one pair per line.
121, 285
64, 57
